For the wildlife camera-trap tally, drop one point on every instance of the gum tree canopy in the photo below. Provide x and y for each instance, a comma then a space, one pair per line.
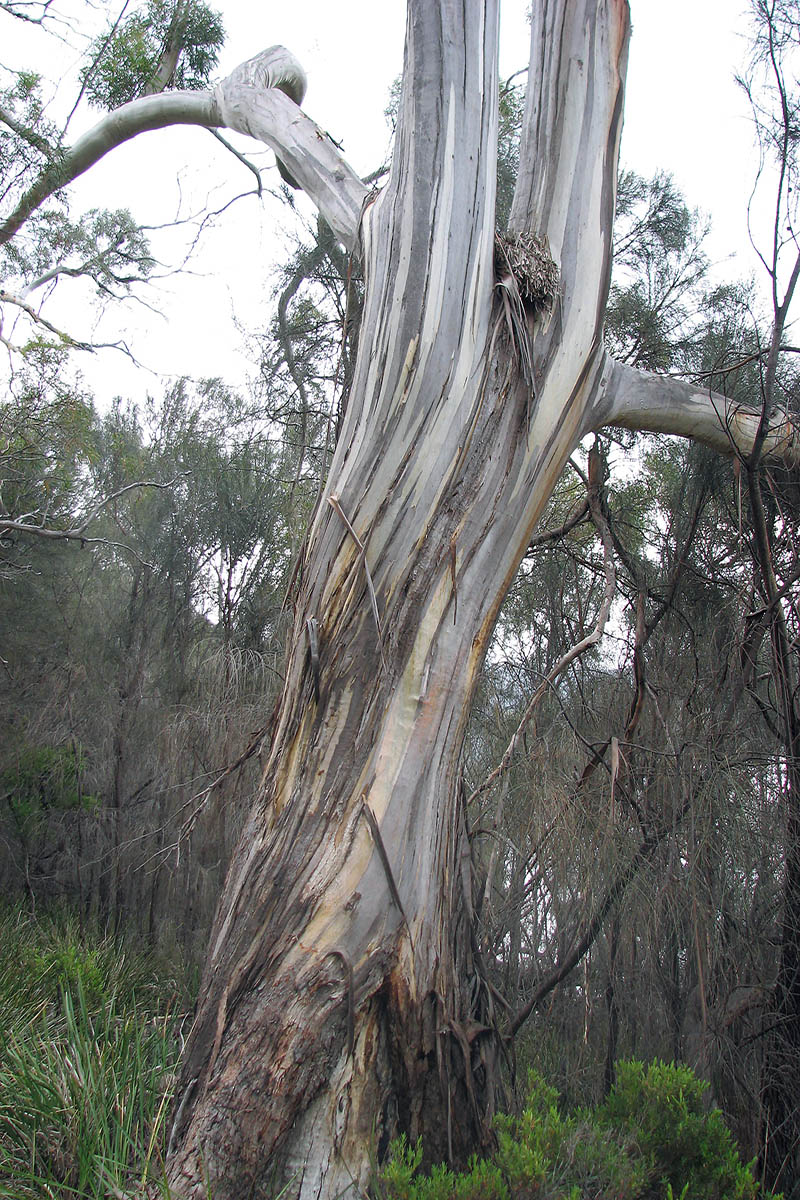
343, 998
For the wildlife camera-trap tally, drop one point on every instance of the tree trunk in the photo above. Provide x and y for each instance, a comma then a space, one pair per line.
780, 1089
343, 1000
781, 1118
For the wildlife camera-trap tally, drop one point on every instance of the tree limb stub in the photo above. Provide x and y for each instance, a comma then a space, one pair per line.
259, 98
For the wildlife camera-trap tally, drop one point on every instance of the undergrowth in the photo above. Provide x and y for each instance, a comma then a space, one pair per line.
88, 1052
89, 1035
653, 1138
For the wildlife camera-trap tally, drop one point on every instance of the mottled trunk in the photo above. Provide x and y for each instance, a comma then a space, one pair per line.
343, 1000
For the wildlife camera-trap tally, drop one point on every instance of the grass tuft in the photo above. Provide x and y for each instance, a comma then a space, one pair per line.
89, 1036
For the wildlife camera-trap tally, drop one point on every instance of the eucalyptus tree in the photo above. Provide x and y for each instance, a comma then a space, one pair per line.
343, 996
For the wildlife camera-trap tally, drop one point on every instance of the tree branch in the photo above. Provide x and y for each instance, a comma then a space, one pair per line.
258, 99
636, 399
586, 643
78, 534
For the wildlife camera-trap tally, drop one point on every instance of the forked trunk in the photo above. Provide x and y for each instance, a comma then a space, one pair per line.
343, 1000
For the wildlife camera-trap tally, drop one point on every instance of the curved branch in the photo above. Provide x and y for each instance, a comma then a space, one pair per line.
78, 534
638, 400
139, 116
259, 99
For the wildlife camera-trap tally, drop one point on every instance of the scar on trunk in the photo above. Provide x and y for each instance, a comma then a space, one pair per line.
351, 1016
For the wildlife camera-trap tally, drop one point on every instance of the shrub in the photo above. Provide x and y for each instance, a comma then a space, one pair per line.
686, 1144
43, 778
482, 1180
651, 1139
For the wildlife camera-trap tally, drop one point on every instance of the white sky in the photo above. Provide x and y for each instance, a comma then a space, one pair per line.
683, 114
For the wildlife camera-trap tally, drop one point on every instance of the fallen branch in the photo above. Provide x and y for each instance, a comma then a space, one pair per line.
335, 503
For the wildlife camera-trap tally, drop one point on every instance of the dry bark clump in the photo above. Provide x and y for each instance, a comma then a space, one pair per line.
527, 258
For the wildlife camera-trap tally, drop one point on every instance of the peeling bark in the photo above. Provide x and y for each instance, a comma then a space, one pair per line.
343, 998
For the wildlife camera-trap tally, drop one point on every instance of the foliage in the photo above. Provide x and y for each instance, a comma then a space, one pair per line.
27, 137
512, 107
46, 446
659, 267
652, 1139
154, 645
105, 246
168, 43
88, 1050
44, 777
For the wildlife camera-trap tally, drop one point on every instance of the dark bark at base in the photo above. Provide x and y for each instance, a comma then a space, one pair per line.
392, 1057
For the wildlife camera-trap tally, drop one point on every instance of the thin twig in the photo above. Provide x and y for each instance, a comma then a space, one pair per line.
237, 154
574, 652
335, 503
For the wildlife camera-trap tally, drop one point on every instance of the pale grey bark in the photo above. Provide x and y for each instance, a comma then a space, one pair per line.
636, 399
335, 977
259, 98
348, 888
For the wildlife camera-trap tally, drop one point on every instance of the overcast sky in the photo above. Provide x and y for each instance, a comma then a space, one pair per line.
684, 114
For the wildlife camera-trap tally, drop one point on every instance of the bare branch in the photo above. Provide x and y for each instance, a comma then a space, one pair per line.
245, 161
257, 99
575, 651
22, 525
33, 12
636, 399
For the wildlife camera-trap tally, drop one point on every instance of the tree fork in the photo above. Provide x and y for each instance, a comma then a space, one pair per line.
442, 446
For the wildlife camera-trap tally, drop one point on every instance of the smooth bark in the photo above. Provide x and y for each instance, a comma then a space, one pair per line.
344, 998
259, 98
638, 400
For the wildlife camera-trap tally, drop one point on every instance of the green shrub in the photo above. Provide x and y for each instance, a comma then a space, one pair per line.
44, 778
482, 1180
686, 1144
651, 1139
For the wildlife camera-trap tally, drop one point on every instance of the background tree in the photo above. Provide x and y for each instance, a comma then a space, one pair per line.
769, 87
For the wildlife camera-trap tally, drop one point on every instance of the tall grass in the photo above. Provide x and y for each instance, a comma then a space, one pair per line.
88, 1050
